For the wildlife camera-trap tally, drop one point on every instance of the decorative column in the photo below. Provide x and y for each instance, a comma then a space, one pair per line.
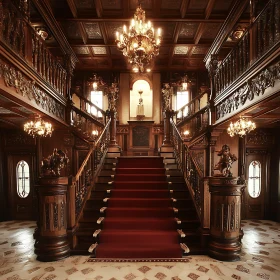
225, 218
168, 113
113, 94
51, 235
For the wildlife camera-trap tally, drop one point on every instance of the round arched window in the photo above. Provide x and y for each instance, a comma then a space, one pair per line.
254, 179
23, 179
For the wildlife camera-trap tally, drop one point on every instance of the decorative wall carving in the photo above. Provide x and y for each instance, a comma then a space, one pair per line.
122, 129
19, 139
158, 129
27, 88
259, 137
140, 136
249, 91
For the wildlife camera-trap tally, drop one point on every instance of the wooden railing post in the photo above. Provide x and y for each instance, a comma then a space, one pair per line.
113, 129
166, 140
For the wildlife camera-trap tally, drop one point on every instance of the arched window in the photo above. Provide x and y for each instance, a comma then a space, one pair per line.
23, 179
181, 100
254, 179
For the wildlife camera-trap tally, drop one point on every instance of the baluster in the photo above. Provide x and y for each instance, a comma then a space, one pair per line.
277, 20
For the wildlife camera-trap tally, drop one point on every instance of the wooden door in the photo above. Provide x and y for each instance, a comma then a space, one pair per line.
257, 185
20, 187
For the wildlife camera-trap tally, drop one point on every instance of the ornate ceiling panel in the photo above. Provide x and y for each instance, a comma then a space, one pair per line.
171, 4
81, 50
111, 4
188, 28
99, 50
93, 30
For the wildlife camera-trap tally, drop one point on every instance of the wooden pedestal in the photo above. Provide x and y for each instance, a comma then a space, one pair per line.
51, 235
225, 219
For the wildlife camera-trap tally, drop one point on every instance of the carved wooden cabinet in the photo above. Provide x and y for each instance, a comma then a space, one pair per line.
225, 218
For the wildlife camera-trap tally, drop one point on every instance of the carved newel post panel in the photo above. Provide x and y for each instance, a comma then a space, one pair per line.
225, 218
51, 235
225, 215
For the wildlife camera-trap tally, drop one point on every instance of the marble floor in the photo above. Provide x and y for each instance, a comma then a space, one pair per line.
260, 259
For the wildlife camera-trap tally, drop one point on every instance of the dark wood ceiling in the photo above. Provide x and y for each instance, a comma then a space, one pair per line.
189, 28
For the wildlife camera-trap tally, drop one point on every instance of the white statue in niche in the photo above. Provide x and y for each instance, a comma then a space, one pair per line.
140, 106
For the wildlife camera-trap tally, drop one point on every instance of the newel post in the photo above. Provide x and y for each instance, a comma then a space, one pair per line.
167, 92
112, 93
51, 235
225, 218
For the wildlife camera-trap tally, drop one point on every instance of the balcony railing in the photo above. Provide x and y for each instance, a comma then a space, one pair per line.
262, 36
20, 37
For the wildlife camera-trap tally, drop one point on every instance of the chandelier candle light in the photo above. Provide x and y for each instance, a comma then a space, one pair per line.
140, 42
38, 127
241, 127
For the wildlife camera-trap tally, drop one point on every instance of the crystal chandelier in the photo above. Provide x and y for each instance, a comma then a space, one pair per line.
241, 127
38, 127
140, 42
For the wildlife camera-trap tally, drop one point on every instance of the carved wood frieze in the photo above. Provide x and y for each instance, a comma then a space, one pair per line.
158, 129
28, 89
249, 91
122, 129
259, 138
19, 139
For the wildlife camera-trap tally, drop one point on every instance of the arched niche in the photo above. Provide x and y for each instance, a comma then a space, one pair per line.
147, 97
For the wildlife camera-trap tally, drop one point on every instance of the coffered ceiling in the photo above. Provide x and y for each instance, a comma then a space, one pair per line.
189, 28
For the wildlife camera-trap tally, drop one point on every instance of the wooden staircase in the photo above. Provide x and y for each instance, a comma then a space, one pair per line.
188, 224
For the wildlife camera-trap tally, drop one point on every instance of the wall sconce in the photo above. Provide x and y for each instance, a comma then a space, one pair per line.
186, 135
94, 134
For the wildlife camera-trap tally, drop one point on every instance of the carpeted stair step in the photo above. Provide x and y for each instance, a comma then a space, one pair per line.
125, 193
143, 237
140, 170
138, 251
153, 212
139, 185
141, 162
138, 223
141, 177
139, 202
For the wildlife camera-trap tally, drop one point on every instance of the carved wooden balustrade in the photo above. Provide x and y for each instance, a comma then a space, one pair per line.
83, 181
262, 38
19, 37
194, 176
195, 114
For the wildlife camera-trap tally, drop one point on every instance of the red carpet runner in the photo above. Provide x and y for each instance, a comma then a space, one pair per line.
139, 220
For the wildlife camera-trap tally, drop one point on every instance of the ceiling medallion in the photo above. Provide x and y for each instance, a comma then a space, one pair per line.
38, 127
140, 42
241, 127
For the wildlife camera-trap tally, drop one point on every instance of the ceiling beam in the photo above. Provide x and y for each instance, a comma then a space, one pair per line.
72, 7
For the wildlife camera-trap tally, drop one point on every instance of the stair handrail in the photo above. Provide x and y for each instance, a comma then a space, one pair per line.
81, 184
193, 176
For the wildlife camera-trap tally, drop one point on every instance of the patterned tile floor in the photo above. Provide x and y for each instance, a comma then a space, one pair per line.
260, 259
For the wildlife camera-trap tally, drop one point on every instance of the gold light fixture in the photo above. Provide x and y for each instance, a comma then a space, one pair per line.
94, 134
38, 127
97, 82
140, 42
241, 127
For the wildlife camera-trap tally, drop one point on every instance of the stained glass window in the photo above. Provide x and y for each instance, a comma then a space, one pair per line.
23, 179
254, 179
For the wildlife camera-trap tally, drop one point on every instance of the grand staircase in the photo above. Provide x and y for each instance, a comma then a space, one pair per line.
140, 208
